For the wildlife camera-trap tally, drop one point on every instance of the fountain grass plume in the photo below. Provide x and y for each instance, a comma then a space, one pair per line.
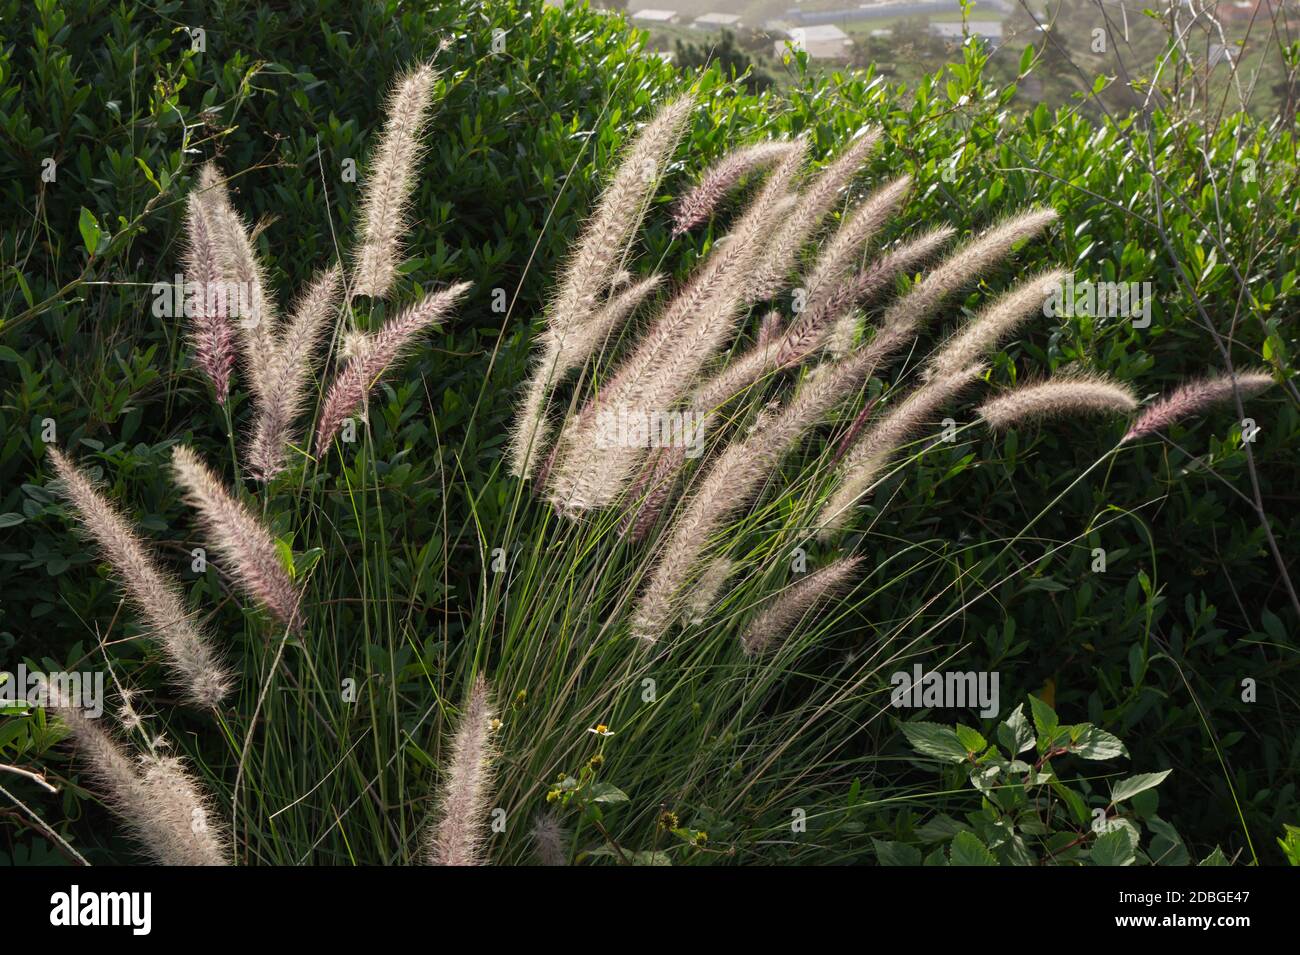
457, 836
194, 663
291, 366
783, 612
247, 547
241, 265
966, 264
720, 178
159, 801
870, 453
373, 355
993, 324
567, 341
815, 201
1061, 397
833, 319
730, 484
837, 259
1194, 397
592, 472
390, 182
212, 334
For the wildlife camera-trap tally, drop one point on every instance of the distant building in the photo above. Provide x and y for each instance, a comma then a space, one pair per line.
655, 16
871, 11
821, 42
1240, 10
988, 30
717, 21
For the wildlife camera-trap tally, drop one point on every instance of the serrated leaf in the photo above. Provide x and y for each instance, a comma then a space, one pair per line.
896, 853
968, 850
1128, 788
971, 739
1094, 743
1113, 848
1015, 734
935, 739
1045, 722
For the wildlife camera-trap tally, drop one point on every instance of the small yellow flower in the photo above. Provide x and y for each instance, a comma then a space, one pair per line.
668, 820
600, 729
553, 795
701, 838
496, 724
596, 761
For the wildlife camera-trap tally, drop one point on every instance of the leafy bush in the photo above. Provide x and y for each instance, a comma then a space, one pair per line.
1028, 815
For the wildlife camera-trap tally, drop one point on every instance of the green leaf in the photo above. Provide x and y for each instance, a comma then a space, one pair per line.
1041, 118
304, 562
10, 519
90, 231
285, 553
1216, 858
1128, 788
1045, 722
968, 850
1094, 743
604, 792
971, 739
1027, 58
896, 853
1078, 808
1113, 848
148, 173
934, 739
24, 288
1167, 846
1015, 734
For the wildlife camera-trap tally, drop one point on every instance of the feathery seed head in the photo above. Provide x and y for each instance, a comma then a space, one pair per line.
784, 611
814, 202
835, 319
290, 366
377, 351
391, 181
1056, 398
211, 331
723, 176
994, 323
731, 484
195, 665
457, 837
837, 258
1196, 396
964, 266
872, 452
161, 804
239, 537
